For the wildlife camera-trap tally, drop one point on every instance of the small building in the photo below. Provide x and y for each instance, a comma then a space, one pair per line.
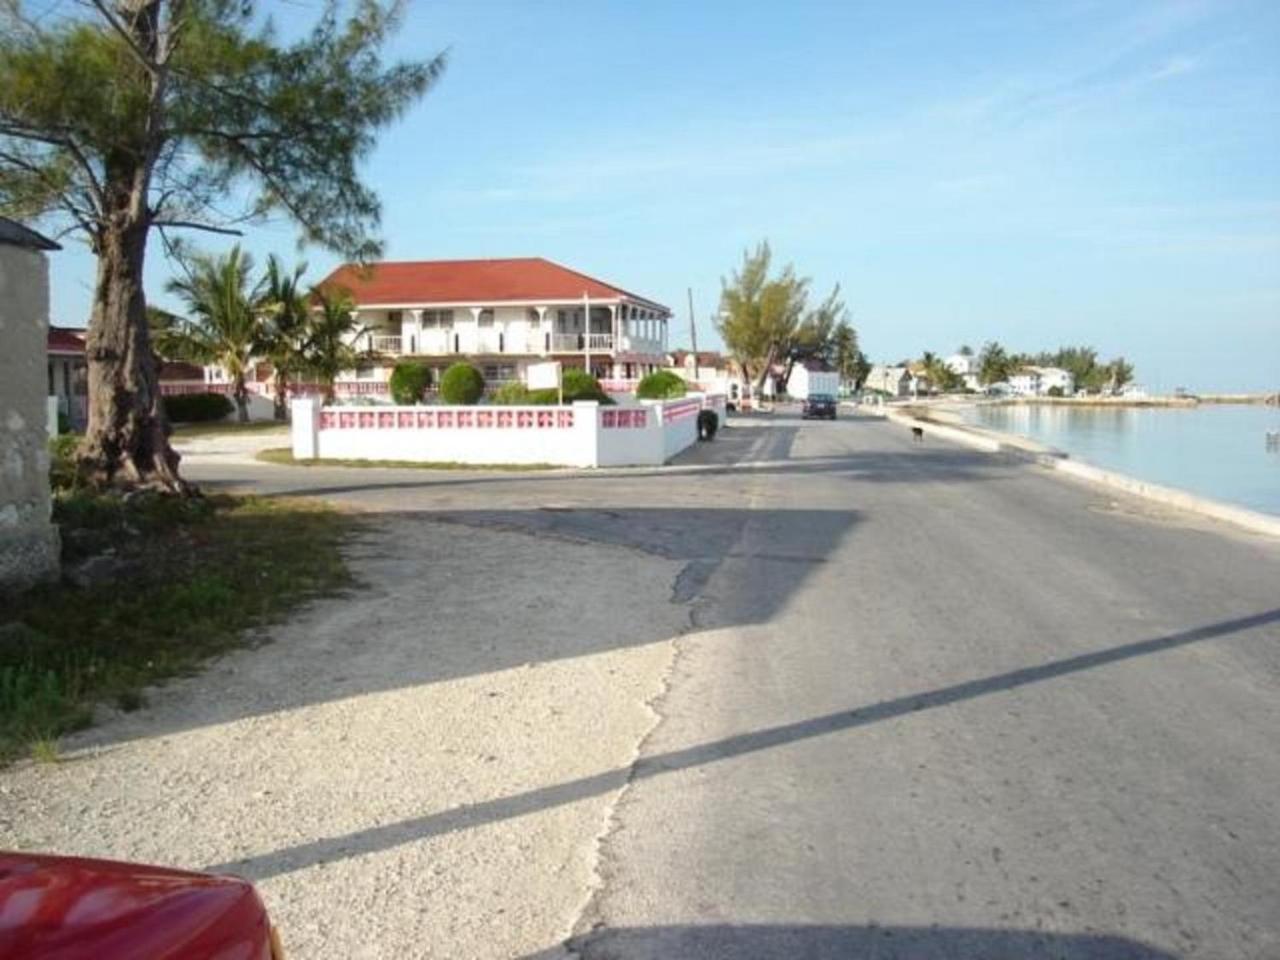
965, 366
28, 539
1038, 381
69, 375
895, 381
1052, 378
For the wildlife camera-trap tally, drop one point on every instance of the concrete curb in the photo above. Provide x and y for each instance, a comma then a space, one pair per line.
1032, 452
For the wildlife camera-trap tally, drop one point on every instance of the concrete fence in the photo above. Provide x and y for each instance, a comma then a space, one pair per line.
585, 434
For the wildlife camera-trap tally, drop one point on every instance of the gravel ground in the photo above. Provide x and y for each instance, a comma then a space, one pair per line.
418, 769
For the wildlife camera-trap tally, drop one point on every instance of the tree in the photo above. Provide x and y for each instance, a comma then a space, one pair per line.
759, 314
331, 328
285, 310
965, 350
940, 375
994, 364
137, 115
1121, 373
814, 337
844, 345
225, 327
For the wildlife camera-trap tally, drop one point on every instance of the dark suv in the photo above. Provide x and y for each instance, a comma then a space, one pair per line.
819, 405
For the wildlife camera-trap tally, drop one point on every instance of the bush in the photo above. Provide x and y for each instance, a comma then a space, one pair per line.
708, 424
513, 393
1055, 391
661, 385
409, 382
198, 407
462, 385
580, 385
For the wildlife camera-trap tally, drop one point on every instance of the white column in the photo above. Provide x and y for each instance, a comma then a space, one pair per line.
586, 322
305, 416
416, 346
542, 334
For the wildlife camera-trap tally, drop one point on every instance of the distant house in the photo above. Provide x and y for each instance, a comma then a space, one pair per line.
68, 373
707, 366
895, 381
1025, 382
965, 366
1063, 380
1038, 381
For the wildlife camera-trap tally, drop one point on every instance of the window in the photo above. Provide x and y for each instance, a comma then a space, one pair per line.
486, 318
437, 318
394, 317
364, 372
498, 372
51, 378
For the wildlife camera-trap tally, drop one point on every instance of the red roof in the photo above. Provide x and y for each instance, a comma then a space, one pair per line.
472, 281
65, 340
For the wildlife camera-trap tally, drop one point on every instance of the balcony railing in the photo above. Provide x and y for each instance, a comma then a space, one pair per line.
383, 343
573, 342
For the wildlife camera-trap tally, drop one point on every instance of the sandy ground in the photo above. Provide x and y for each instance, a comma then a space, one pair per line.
391, 768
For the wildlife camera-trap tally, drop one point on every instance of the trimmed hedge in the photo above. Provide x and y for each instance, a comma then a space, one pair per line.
409, 382
461, 385
513, 393
580, 385
661, 385
198, 407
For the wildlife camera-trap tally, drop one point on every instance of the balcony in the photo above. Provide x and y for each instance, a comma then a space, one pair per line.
385, 343
576, 342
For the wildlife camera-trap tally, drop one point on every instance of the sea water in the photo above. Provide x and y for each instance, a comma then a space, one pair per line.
1215, 450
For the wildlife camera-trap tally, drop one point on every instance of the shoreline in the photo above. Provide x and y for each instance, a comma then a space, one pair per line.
1191, 400
1060, 461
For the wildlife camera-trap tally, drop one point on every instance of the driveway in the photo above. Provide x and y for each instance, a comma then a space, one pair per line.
816, 691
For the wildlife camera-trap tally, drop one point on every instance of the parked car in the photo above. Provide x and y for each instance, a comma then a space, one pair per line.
819, 405
70, 908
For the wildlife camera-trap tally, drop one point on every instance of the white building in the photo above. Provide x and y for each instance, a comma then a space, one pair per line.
895, 381
965, 366
500, 315
1038, 381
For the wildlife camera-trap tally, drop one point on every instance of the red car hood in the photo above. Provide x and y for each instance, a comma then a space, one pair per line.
67, 908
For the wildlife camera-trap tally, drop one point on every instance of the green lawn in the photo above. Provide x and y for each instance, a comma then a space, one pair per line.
284, 456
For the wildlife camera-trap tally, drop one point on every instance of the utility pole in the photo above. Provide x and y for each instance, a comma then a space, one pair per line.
693, 333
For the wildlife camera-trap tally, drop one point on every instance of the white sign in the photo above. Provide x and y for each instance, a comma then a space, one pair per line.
544, 376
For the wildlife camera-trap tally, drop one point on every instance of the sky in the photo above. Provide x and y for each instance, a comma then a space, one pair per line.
1041, 174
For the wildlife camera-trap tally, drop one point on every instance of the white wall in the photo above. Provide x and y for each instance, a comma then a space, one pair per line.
584, 435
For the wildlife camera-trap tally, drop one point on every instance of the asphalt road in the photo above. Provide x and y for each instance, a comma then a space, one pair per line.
929, 703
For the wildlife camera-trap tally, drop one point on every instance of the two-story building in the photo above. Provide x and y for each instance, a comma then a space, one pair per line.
501, 316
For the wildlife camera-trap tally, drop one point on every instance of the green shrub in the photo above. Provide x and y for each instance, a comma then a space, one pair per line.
1055, 391
546, 397
513, 393
580, 385
198, 407
708, 424
661, 385
409, 382
461, 385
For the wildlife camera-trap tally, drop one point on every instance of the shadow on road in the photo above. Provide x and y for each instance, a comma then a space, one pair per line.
387, 836
824, 942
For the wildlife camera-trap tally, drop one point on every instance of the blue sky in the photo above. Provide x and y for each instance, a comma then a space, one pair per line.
1037, 173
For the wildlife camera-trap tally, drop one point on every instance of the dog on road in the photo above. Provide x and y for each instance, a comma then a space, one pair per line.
917, 434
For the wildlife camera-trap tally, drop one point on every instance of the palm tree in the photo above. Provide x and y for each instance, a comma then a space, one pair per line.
1121, 373
224, 327
286, 311
994, 364
332, 326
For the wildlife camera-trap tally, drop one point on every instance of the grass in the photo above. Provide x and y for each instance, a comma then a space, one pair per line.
224, 428
284, 456
197, 573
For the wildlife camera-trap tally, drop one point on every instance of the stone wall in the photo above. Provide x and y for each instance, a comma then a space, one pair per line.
28, 540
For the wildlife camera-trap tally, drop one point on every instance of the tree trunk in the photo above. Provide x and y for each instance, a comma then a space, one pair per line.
126, 443
766, 369
241, 394
281, 395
